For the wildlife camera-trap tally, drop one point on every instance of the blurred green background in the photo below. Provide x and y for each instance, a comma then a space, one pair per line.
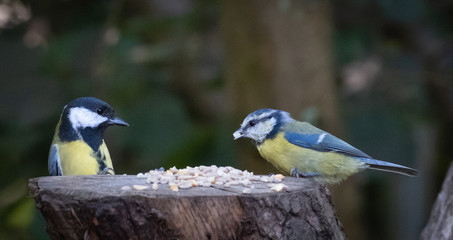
184, 74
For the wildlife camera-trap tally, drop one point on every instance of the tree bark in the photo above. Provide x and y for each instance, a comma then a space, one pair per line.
96, 207
279, 56
440, 224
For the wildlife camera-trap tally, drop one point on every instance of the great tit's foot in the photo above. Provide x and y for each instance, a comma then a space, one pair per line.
295, 172
161, 169
107, 171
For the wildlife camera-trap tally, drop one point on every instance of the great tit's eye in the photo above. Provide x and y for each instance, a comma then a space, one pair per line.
100, 111
252, 123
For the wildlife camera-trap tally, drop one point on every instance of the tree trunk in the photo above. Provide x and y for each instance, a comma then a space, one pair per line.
279, 55
440, 224
96, 207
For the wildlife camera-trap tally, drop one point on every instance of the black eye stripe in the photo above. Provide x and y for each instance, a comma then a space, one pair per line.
253, 122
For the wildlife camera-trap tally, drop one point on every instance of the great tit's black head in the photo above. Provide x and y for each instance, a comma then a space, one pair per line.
90, 112
262, 124
87, 115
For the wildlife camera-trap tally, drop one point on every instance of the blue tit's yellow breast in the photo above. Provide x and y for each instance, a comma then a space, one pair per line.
286, 156
78, 158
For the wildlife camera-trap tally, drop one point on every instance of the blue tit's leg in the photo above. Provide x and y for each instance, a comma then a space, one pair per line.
107, 171
161, 169
295, 172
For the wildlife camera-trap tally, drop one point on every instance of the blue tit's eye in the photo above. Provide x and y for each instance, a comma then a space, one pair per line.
252, 123
100, 111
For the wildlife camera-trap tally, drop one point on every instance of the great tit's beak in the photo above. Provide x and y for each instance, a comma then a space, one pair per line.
238, 134
117, 121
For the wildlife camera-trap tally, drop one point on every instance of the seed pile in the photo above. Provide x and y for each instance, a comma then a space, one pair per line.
207, 176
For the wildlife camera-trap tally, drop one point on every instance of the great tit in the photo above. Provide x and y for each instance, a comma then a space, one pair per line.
302, 150
78, 146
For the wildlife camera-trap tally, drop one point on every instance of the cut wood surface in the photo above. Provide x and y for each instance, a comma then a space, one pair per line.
98, 207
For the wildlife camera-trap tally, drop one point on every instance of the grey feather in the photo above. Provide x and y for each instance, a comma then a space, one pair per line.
54, 164
389, 167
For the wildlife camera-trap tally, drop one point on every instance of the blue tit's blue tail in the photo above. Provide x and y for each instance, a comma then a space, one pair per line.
389, 167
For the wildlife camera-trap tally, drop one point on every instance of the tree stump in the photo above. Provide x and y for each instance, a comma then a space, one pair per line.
440, 224
96, 207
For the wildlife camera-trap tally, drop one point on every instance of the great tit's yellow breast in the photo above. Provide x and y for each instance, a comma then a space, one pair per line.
78, 158
285, 156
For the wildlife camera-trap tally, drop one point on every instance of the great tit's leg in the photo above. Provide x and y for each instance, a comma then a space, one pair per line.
295, 172
107, 171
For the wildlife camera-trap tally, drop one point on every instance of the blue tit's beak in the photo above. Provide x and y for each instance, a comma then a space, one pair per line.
238, 134
117, 121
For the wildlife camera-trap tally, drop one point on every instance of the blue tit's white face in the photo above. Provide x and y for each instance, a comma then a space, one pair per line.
259, 124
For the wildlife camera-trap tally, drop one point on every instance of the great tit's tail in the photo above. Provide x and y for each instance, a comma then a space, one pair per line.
389, 167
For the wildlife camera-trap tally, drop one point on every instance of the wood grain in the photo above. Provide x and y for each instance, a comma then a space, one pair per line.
95, 207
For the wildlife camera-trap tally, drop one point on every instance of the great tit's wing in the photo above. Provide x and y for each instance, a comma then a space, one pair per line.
324, 142
54, 164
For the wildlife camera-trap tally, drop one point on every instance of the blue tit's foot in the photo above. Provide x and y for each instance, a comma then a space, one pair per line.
161, 169
107, 171
295, 172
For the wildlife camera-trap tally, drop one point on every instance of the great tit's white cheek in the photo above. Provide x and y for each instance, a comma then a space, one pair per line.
82, 118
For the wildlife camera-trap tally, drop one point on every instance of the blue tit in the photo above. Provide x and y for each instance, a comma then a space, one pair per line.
78, 146
302, 150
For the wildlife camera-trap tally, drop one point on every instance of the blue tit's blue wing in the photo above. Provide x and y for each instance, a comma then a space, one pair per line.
54, 164
324, 142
